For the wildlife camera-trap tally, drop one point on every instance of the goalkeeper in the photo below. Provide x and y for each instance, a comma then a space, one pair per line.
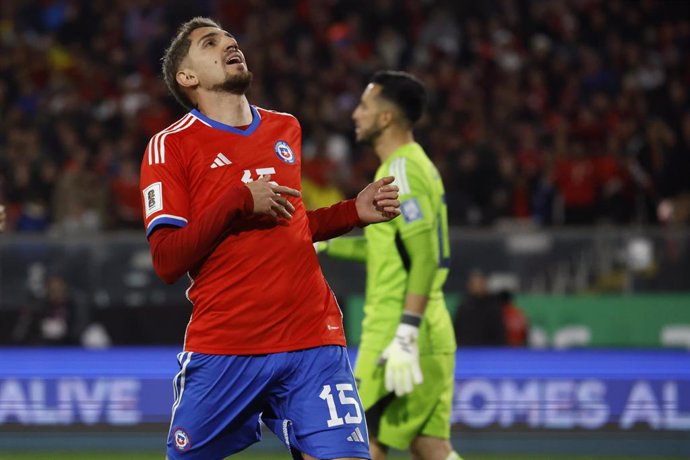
405, 366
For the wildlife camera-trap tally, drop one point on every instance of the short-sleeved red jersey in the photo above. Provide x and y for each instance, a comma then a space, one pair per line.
260, 289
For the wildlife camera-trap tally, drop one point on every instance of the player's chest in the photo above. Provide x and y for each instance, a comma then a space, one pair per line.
223, 162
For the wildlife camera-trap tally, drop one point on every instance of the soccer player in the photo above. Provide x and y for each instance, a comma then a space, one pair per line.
405, 366
222, 204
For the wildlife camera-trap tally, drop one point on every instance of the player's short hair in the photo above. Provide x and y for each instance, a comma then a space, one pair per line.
403, 90
175, 54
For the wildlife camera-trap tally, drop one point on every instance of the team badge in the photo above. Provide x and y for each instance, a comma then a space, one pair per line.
181, 440
284, 152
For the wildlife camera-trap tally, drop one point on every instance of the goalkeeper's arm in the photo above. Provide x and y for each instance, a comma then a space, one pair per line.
423, 265
402, 355
352, 248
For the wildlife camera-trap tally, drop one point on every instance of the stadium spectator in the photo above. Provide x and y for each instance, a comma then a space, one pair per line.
479, 318
50, 319
81, 73
576, 181
676, 208
80, 199
125, 194
514, 320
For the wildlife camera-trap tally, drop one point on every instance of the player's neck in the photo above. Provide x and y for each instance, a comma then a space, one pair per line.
391, 140
226, 108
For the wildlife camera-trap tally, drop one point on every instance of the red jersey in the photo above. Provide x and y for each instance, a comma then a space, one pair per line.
256, 285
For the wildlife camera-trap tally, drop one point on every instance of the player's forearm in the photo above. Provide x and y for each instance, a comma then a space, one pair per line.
336, 220
415, 304
351, 248
178, 250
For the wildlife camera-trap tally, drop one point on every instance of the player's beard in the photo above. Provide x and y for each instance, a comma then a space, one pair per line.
235, 84
370, 135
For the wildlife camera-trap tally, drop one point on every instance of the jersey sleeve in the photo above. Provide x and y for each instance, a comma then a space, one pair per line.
163, 186
333, 221
416, 224
415, 200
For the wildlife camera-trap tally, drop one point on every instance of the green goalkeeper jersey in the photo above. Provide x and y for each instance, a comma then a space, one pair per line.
424, 219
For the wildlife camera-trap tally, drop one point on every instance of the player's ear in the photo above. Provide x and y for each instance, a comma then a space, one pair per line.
186, 78
386, 118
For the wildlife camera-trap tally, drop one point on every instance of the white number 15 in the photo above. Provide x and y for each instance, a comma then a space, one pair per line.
344, 400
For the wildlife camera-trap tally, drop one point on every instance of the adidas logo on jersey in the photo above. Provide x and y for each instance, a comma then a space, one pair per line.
356, 436
221, 160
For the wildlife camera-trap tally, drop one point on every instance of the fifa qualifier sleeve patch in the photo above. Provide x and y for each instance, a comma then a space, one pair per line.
411, 210
153, 197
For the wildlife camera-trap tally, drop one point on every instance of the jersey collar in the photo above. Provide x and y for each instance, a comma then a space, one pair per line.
256, 119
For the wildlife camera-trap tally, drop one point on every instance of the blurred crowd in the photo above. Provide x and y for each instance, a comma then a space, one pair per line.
556, 112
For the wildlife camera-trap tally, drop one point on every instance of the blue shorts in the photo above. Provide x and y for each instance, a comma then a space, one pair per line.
308, 398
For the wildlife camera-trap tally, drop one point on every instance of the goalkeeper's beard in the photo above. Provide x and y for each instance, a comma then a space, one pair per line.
235, 84
370, 136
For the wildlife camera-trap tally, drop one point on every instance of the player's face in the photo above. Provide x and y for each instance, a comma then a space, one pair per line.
367, 115
217, 61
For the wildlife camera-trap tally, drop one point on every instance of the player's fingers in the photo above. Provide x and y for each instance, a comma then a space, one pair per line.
272, 214
395, 382
389, 188
283, 190
392, 211
406, 381
387, 204
400, 383
286, 204
384, 181
417, 376
386, 196
390, 385
280, 209
265, 178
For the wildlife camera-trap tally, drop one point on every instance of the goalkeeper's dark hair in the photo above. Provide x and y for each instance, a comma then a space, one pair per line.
403, 90
175, 54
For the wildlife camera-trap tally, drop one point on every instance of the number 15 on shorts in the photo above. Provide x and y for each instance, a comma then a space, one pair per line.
345, 400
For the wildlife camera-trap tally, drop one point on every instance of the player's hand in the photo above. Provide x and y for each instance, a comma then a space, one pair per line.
3, 217
401, 359
269, 200
378, 202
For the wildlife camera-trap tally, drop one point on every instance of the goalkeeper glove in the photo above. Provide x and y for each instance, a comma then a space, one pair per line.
401, 357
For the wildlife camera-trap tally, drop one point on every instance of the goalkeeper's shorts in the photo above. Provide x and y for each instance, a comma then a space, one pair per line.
396, 421
308, 398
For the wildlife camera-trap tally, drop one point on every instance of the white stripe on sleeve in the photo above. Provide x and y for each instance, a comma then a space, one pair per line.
398, 170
